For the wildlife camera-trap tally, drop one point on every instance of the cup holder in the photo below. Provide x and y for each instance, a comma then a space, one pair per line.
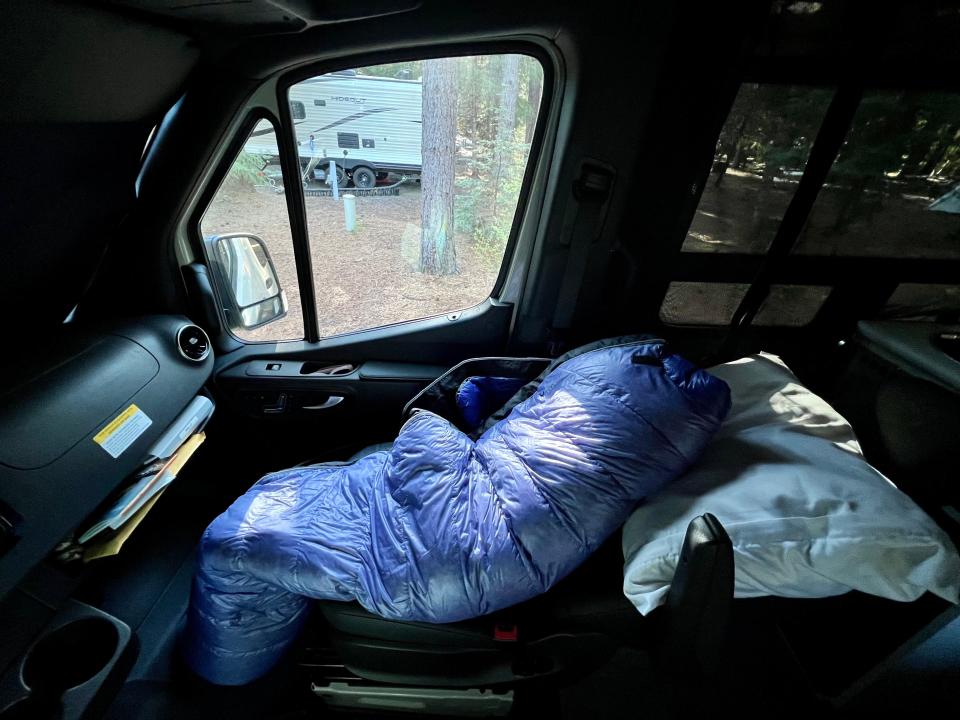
72, 670
70, 656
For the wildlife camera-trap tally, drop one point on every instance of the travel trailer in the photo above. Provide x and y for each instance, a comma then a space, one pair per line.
368, 125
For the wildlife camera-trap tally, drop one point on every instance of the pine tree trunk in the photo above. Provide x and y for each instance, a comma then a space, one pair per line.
438, 251
534, 92
507, 120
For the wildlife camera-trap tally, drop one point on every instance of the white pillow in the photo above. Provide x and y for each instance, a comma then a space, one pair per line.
807, 516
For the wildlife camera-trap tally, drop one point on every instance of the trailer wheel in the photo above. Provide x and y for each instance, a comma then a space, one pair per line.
364, 177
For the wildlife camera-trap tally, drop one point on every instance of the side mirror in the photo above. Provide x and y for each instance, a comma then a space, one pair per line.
251, 292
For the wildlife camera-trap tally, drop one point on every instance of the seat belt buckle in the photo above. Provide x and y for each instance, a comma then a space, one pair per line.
505, 632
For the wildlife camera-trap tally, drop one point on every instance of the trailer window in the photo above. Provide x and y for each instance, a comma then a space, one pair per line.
434, 153
298, 111
351, 141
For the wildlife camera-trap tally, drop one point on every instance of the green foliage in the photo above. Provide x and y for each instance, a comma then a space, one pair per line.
486, 200
906, 133
771, 128
247, 170
490, 171
412, 70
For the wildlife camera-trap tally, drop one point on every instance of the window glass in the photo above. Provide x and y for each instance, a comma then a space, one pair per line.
702, 303
915, 301
297, 111
760, 155
791, 305
433, 153
894, 188
250, 200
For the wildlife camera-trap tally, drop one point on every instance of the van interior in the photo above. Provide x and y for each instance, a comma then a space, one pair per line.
769, 176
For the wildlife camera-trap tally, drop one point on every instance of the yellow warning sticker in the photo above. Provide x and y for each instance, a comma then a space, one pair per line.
120, 432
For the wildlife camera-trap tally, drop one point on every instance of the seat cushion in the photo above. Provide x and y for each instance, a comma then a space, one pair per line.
590, 599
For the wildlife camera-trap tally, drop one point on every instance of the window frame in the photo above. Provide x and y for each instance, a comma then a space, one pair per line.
269, 101
528, 47
250, 116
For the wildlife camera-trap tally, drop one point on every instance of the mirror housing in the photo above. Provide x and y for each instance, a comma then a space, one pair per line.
249, 287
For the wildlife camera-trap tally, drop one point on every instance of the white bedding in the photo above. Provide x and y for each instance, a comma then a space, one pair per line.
808, 517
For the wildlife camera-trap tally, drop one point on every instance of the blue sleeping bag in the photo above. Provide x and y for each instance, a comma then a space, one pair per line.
442, 527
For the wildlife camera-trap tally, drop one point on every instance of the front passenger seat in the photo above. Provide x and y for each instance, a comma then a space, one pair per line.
572, 629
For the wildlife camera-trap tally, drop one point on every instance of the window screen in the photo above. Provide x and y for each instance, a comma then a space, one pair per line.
701, 303
760, 155
705, 303
894, 188
791, 305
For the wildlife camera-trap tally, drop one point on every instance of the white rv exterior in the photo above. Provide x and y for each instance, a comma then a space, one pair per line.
355, 120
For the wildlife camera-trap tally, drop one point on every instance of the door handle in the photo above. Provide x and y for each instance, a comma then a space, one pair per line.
330, 402
278, 407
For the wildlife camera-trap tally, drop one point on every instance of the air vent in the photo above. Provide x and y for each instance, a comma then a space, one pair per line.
193, 343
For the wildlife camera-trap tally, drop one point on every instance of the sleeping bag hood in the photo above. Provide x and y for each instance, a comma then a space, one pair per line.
443, 527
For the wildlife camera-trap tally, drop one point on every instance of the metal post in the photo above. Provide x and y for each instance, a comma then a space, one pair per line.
350, 212
332, 174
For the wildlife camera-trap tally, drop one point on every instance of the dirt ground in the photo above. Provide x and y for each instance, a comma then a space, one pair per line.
363, 279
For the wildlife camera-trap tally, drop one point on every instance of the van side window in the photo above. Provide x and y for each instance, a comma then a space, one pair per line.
891, 198
434, 153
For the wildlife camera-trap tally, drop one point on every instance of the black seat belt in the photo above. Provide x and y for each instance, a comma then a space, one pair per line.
582, 225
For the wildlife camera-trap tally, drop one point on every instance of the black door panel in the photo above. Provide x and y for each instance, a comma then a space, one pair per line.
287, 403
280, 388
